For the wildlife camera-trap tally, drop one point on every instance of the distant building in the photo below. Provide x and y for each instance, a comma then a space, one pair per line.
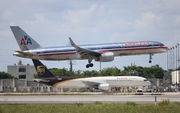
22, 72
175, 77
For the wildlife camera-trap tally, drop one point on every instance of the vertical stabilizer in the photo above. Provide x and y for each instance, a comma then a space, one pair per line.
42, 71
24, 41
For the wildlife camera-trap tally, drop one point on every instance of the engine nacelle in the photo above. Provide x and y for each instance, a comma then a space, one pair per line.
103, 87
105, 57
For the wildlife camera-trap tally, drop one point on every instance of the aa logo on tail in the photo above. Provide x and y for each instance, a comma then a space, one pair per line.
41, 69
25, 41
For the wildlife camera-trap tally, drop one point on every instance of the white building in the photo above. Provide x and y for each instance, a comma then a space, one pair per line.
175, 77
22, 72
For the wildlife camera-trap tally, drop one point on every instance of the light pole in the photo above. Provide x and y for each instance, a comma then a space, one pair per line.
176, 67
173, 58
171, 64
178, 54
167, 59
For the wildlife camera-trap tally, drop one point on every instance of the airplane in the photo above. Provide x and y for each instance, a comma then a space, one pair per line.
99, 82
104, 52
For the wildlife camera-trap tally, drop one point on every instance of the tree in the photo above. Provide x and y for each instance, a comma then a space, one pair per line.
4, 75
90, 73
62, 72
95, 73
87, 73
78, 72
36, 76
131, 71
110, 71
147, 72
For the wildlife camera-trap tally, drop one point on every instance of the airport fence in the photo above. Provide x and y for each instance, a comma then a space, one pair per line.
24, 86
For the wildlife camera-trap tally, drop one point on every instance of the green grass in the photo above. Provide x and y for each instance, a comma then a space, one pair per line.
96, 107
131, 103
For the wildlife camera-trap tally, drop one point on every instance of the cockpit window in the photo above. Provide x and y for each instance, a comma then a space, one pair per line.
161, 44
145, 80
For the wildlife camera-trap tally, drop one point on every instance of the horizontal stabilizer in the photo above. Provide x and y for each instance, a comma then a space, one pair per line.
40, 80
24, 53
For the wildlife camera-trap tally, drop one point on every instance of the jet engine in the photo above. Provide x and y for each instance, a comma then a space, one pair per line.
103, 87
105, 57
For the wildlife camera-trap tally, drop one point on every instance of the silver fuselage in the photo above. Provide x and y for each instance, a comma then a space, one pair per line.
118, 49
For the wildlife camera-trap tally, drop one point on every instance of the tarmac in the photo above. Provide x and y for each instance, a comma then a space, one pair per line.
145, 98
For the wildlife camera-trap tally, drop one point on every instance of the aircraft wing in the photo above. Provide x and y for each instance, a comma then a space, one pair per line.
92, 83
84, 52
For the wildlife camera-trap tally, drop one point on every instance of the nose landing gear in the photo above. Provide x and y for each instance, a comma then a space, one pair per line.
150, 57
150, 61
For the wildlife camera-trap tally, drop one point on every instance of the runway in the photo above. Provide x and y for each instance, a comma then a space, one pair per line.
28, 99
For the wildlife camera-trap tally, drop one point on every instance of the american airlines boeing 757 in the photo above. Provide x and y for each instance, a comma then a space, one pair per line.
99, 52
98, 82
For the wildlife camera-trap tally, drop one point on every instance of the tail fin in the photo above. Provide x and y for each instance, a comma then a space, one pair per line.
42, 71
23, 39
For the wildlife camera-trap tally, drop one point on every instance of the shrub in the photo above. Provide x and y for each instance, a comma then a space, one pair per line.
164, 102
97, 102
79, 104
131, 103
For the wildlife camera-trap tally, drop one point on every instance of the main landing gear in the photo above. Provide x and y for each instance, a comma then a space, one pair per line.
150, 57
90, 64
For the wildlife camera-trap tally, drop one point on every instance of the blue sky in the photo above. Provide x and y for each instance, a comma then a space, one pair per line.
50, 23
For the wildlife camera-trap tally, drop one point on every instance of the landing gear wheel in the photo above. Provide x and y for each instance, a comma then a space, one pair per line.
89, 65
150, 57
150, 61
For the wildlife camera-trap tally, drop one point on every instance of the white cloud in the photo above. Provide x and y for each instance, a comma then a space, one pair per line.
38, 20
149, 21
85, 17
176, 20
